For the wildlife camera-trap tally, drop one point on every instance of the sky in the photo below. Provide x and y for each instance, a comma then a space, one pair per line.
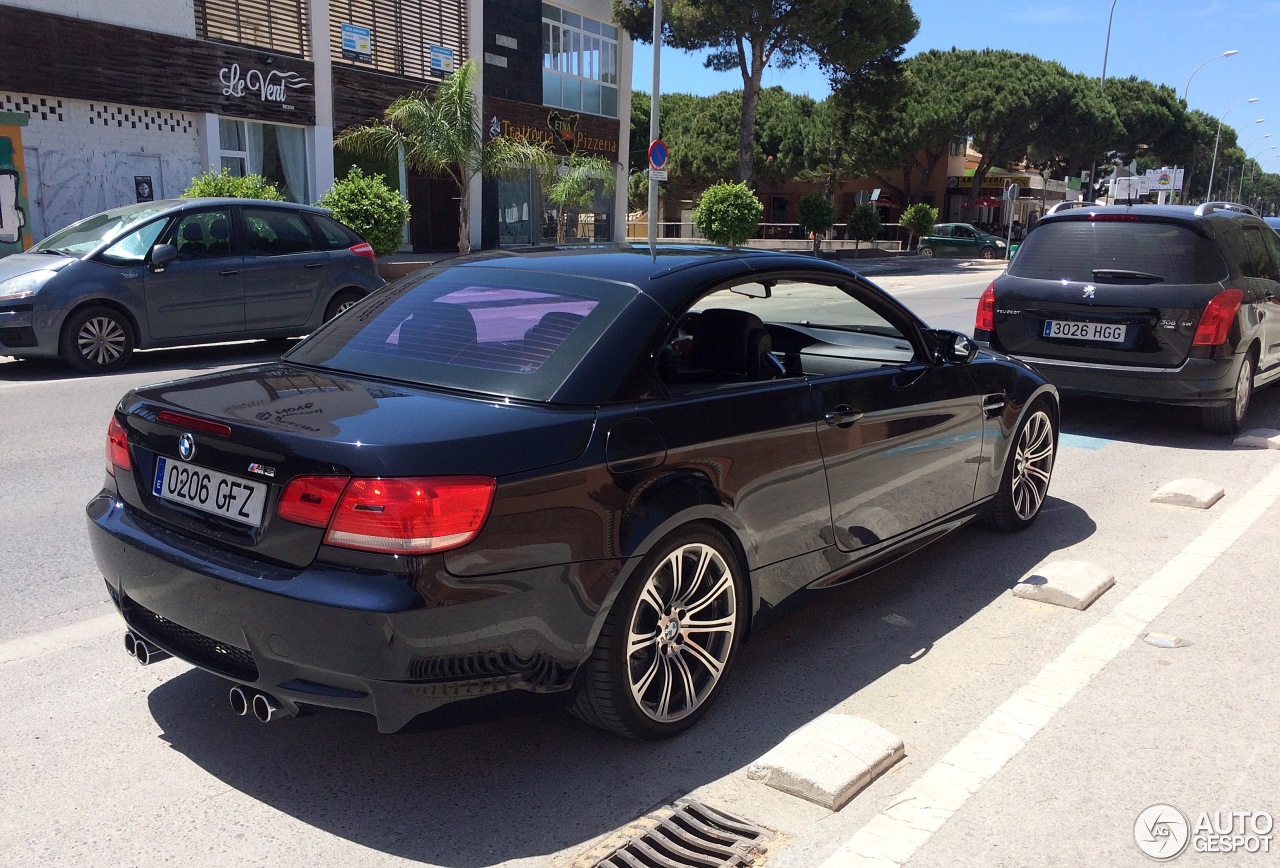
1160, 40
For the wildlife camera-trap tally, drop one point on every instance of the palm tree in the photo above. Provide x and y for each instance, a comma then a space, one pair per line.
442, 133
572, 184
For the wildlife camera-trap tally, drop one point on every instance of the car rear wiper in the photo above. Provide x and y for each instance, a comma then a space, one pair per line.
1099, 273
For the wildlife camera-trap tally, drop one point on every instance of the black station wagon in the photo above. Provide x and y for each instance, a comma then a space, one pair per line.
580, 476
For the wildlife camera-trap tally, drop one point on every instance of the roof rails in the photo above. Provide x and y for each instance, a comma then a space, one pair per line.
1067, 206
1210, 207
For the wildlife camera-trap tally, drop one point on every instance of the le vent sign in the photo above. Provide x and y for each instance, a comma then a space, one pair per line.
271, 86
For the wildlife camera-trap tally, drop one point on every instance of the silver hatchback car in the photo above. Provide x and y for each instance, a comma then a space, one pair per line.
179, 271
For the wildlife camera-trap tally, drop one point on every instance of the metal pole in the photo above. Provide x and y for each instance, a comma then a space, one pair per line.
1102, 89
1209, 195
653, 127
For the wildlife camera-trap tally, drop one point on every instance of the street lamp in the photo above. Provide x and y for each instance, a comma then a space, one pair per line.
1252, 169
1218, 138
1230, 53
1240, 191
1102, 89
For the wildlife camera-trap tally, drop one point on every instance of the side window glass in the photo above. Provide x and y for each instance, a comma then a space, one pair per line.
964, 232
133, 248
800, 330
941, 231
1258, 257
272, 232
332, 235
1273, 244
203, 235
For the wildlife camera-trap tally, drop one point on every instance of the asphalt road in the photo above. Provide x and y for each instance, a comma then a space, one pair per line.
108, 763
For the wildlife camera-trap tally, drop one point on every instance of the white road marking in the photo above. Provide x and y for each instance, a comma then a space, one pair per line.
893, 836
60, 638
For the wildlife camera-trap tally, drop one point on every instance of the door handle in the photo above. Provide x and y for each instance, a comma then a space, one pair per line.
229, 273
843, 416
314, 265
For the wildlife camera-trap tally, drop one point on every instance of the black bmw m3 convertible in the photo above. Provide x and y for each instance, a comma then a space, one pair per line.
578, 476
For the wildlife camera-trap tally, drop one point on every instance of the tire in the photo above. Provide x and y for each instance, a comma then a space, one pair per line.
1227, 418
96, 340
987, 253
1027, 472
668, 641
340, 302
926, 251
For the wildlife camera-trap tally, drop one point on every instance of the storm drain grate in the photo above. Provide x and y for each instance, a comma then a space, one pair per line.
686, 834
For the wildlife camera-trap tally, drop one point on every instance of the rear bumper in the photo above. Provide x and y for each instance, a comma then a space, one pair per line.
340, 638
1197, 382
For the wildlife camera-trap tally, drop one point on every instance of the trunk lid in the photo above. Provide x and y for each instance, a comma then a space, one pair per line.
285, 421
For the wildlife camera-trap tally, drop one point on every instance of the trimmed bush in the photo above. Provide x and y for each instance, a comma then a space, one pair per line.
863, 224
919, 219
368, 205
817, 215
225, 185
728, 214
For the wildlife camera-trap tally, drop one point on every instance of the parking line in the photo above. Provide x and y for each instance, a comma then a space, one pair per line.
893, 836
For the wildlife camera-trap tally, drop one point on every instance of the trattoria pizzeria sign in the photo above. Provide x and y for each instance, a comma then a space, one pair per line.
273, 87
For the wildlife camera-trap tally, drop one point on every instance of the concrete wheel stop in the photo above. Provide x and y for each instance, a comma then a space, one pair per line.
1194, 493
1258, 438
829, 760
1071, 584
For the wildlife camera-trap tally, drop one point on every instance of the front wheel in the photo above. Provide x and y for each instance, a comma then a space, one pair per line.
667, 643
96, 340
987, 253
1028, 468
1227, 418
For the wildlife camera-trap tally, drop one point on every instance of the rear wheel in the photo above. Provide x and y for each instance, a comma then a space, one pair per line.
926, 251
1028, 468
669, 639
1227, 418
987, 253
96, 340
341, 302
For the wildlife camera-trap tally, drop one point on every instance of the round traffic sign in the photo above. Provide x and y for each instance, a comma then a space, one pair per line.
657, 154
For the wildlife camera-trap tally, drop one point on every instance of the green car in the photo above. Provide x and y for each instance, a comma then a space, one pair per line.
962, 240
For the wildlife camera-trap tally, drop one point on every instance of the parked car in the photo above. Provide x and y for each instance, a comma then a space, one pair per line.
576, 476
1164, 303
963, 240
1273, 222
179, 271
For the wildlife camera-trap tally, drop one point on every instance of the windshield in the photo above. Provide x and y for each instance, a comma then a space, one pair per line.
502, 332
84, 237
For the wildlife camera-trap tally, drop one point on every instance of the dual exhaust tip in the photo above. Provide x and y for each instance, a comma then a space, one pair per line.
243, 699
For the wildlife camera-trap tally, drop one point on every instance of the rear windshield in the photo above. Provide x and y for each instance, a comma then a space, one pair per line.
1082, 250
497, 331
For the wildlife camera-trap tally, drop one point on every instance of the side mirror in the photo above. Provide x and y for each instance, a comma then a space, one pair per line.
162, 255
954, 347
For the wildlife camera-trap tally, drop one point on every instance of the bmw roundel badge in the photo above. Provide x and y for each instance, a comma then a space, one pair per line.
186, 446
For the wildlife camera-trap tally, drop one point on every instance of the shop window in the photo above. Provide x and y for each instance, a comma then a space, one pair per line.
579, 62
277, 153
777, 209
280, 25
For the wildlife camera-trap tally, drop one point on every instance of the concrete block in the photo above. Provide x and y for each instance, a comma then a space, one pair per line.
1073, 584
829, 760
1258, 438
1195, 493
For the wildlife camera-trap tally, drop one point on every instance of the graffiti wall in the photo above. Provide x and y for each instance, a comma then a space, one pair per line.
15, 206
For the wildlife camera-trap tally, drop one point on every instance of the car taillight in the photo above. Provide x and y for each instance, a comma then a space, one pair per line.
402, 516
986, 319
310, 500
117, 448
1219, 314
364, 248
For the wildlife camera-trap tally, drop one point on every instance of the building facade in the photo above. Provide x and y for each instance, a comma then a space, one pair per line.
128, 101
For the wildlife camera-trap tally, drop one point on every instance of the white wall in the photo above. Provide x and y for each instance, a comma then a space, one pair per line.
175, 17
81, 157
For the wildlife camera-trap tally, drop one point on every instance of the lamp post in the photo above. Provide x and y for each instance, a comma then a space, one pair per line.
1230, 53
1240, 192
1209, 195
1102, 89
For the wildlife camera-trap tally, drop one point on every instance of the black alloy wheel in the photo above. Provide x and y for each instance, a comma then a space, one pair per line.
96, 340
1227, 418
1024, 485
669, 640
340, 302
